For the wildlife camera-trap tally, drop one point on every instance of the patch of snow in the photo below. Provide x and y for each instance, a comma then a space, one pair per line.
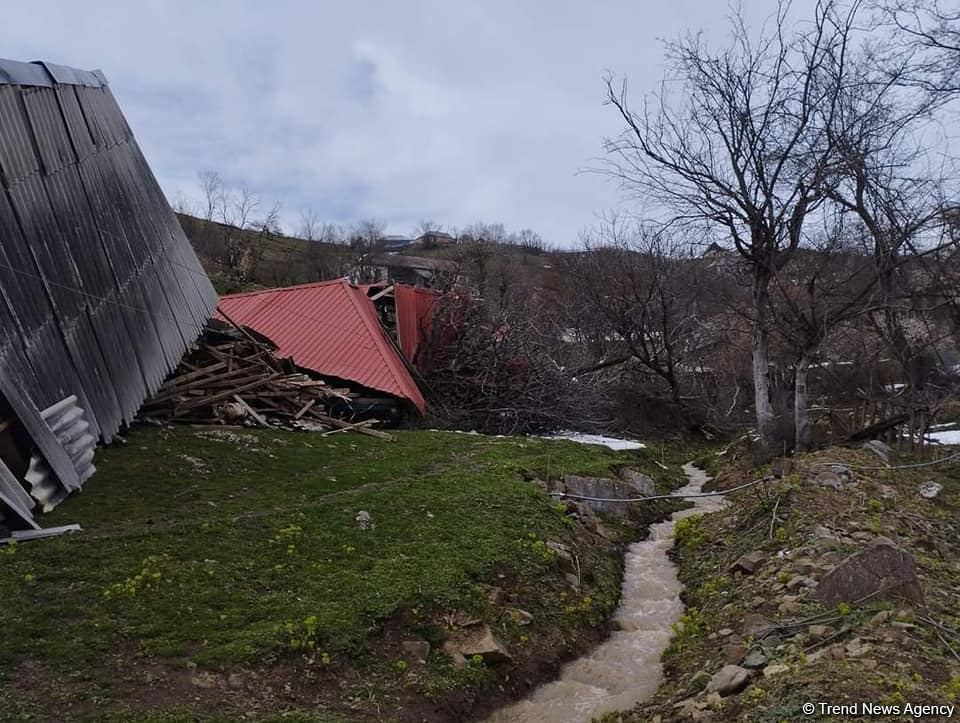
946, 437
614, 443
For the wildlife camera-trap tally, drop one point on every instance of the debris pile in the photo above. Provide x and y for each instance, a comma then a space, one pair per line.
239, 381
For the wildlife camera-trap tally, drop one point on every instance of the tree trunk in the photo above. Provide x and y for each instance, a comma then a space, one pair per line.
766, 417
801, 405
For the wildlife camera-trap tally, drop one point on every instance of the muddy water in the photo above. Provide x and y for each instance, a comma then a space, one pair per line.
625, 669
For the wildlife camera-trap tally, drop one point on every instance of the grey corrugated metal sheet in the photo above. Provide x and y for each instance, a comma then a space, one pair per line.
100, 291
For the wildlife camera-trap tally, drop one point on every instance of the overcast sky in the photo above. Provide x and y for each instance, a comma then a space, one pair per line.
451, 111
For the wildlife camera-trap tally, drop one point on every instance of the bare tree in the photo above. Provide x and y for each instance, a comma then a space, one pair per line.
737, 144
211, 185
366, 233
310, 224
924, 46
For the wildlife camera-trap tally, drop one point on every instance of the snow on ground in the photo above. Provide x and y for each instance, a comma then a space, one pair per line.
951, 436
611, 442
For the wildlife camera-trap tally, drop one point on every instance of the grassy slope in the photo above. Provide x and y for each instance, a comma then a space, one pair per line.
904, 661
204, 555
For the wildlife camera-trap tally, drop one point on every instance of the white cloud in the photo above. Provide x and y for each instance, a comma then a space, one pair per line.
452, 111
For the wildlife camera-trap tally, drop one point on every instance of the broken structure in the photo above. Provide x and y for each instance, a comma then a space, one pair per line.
332, 328
100, 291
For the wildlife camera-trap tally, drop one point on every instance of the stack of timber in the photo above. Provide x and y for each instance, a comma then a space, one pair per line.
240, 382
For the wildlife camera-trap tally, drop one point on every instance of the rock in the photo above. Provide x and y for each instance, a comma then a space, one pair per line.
798, 581
364, 520
869, 663
881, 617
881, 571
733, 653
878, 448
572, 580
755, 625
749, 563
930, 489
494, 594
828, 478
758, 601
756, 658
820, 632
602, 487
856, 648
862, 536
235, 681
563, 556
778, 669
730, 679
204, 680
642, 484
418, 650
459, 661
806, 566
725, 632
480, 641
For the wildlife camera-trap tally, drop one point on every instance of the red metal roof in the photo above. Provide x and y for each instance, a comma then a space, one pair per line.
415, 307
330, 327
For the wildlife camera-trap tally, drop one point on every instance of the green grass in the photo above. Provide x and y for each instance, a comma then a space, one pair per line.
245, 551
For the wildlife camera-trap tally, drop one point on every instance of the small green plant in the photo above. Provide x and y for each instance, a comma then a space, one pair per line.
401, 665
10, 549
688, 533
951, 689
298, 637
151, 575
875, 505
844, 608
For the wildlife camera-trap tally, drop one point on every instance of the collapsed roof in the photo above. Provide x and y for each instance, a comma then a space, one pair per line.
100, 291
331, 328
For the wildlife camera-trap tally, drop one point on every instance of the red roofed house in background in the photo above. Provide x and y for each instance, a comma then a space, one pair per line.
331, 328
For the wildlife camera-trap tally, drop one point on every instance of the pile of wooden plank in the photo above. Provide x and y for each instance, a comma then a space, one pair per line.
240, 382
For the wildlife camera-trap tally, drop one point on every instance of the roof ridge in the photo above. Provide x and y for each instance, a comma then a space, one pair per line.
293, 287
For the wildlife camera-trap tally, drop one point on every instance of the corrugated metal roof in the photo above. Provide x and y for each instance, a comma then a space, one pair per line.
330, 327
100, 291
415, 307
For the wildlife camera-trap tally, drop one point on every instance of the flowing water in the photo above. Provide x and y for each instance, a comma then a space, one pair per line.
625, 669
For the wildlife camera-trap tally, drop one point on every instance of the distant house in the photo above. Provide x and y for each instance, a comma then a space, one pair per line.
393, 243
435, 239
100, 291
411, 270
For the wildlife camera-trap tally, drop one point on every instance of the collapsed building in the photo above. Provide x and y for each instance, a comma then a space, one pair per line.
100, 291
346, 333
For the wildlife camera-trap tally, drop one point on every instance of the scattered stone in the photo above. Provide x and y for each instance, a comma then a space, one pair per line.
749, 563
881, 617
878, 448
494, 594
730, 679
798, 581
602, 487
881, 571
563, 556
235, 681
930, 489
733, 653
418, 650
806, 566
828, 478
725, 632
364, 520
755, 625
862, 536
479, 641
459, 661
204, 680
869, 663
572, 580
756, 658
777, 669
820, 632
856, 648
758, 601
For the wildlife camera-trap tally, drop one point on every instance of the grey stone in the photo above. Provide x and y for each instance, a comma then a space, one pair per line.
730, 679
749, 563
603, 487
930, 489
772, 670
456, 657
364, 520
479, 641
828, 478
820, 632
756, 658
881, 571
643, 484
235, 681
419, 650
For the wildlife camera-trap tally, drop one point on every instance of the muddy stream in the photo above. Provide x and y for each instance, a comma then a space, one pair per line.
625, 669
